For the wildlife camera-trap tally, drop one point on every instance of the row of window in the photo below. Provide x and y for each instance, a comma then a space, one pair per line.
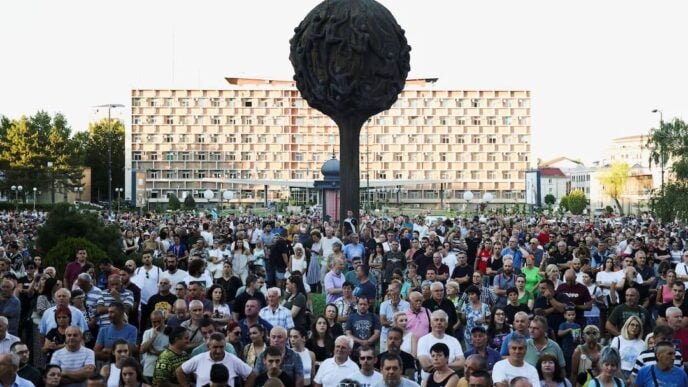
232, 138
231, 102
316, 156
185, 174
318, 121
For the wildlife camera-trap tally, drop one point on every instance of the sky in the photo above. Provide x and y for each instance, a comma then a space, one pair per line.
595, 69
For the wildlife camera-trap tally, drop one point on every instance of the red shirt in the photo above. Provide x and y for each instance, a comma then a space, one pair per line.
682, 336
71, 273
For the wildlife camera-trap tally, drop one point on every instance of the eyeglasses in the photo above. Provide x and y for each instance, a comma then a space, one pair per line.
147, 275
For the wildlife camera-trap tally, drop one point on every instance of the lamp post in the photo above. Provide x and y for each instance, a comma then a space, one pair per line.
119, 190
208, 195
16, 189
78, 191
34, 198
487, 198
109, 107
661, 150
228, 196
398, 191
468, 196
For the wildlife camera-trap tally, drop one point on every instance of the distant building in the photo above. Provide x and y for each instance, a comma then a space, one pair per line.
188, 141
553, 181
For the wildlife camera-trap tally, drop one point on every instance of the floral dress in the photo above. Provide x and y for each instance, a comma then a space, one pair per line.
472, 315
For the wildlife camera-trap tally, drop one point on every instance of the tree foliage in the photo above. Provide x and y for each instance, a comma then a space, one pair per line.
550, 199
669, 145
66, 222
576, 202
189, 202
613, 181
64, 251
173, 202
95, 150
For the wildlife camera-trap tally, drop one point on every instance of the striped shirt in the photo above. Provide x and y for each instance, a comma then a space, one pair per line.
647, 357
92, 298
73, 361
126, 296
281, 317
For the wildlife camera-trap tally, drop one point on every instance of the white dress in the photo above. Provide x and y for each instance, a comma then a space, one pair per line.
299, 264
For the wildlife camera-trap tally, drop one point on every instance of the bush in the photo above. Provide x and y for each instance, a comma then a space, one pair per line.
173, 202
189, 203
64, 252
66, 222
550, 199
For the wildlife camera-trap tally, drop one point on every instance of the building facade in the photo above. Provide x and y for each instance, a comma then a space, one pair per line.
189, 141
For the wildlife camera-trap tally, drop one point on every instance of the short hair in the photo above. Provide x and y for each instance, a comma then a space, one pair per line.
507, 258
15, 344
673, 309
663, 330
217, 336
439, 313
483, 374
664, 343
176, 333
397, 330
85, 277
609, 355
206, 322
219, 373
511, 290
347, 284
547, 282
440, 348
51, 366
517, 379
349, 341
437, 285
117, 305
195, 303
482, 361
366, 348
272, 350
4, 321
390, 357
517, 339
275, 290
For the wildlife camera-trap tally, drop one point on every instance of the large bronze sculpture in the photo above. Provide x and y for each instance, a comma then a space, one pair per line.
350, 60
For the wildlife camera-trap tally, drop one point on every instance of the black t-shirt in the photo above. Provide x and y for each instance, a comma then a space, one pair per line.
559, 258
241, 299
276, 259
472, 248
661, 310
263, 377
510, 311
460, 272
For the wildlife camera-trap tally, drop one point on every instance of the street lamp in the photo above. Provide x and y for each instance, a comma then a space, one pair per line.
398, 191
661, 151
34, 198
16, 189
119, 190
228, 196
78, 191
487, 198
109, 107
208, 195
468, 196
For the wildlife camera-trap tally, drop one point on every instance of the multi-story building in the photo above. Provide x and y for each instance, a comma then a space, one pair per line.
189, 141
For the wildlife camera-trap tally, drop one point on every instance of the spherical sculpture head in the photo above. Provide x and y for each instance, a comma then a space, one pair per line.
350, 59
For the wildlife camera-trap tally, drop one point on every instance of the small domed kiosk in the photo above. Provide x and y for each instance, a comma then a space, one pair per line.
330, 188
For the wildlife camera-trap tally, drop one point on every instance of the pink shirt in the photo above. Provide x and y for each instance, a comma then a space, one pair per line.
418, 323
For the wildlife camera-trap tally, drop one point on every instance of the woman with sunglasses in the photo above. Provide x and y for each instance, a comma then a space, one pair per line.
587, 355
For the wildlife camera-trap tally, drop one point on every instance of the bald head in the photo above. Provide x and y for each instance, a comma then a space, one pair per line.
570, 276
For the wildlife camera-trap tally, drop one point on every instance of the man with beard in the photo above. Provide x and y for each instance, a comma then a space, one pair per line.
173, 273
162, 300
578, 295
678, 290
26, 370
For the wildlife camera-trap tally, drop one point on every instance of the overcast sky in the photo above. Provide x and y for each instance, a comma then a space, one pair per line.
596, 69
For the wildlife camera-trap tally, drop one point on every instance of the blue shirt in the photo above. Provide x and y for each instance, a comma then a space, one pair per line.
48, 320
109, 334
367, 290
351, 251
518, 257
675, 377
571, 339
19, 382
363, 326
11, 309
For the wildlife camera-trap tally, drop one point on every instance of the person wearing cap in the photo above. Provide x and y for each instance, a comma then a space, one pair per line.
479, 343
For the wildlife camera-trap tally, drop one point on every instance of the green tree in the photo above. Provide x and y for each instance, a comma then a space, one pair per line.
66, 222
577, 201
669, 144
613, 181
19, 152
95, 155
173, 202
564, 202
189, 202
550, 199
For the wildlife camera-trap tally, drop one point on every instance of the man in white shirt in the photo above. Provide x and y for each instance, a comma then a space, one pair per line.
77, 361
201, 364
328, 240
438, 323
367, 376
6, 338
173, 273
338, 367
147, 277
514, 365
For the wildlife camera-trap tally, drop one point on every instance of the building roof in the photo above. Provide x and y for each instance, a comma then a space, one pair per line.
551, 172
558, 160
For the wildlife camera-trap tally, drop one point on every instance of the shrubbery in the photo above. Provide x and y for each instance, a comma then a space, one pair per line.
65, 251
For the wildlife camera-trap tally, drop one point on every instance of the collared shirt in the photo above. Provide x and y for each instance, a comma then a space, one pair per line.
418, 323
200, 366
7, 342
333, 281
19, 382
93, 297
533, 354
291, 364
48, 320
280, 317
330, 373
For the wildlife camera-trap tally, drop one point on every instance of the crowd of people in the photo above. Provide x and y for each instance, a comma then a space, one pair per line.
369, 301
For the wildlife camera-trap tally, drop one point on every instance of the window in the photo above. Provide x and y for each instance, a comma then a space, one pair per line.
200, 174
153, 156
136, 102
200, 138
475, 156
248, 103
215, 102
246, 156
491, 121
216, 174
475, 120
184, 156
182, 138
475, 102
169, 156
168, 174
397, 156
231, 156
154, 174
184, 102
506, 120
231, 138
136, 156
246, 138
398, 175
215, 120
506, 175
136, 120
523, 138
169, 120
381, 175
444, 139
461, 121
262, 139
214, 138
443, 156
201, 156
186, 174
459, 175
491, 157
215, 156
262, 156
460, 139
491, 139
168, 138
491, 175
475, 175
298, 156
233, 174
475, 139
